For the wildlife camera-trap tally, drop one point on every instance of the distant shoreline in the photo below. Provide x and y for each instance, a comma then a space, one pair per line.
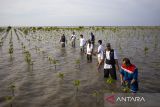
80, 26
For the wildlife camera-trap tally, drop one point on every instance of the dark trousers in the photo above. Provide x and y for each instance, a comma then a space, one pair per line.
110, 72
89, 58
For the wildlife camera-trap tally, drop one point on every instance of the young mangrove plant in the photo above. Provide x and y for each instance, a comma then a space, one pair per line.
40, 50
24, 48
10, 51
25, 32
50, 59
145, 50
61, 75
96, 94
110, 80
76, 83
28, 58
36, 48
9, 100
16, 34
12, 88
120, 48
54, 61
125, 87
78, 62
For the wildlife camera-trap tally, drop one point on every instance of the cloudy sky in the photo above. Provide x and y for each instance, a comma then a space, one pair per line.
79, 12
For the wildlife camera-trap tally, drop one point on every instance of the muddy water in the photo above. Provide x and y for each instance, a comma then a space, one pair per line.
40, 86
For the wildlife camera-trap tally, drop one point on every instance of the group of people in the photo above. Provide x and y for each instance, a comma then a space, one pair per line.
107, 57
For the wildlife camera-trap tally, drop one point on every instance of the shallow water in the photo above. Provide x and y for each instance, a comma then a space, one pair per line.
40, 86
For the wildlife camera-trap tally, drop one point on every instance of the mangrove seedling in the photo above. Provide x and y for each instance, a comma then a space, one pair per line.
78, 62
110, 80
41, 51
54, 61
50, 59
61, 75
76, 83
96, 94
24, 47
28, 57
145, 50
12, 88
9, 100
31, 63
10, 50
120, 48
125, 87
126, 90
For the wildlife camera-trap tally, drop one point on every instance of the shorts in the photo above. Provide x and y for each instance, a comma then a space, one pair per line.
100, 59
82, 48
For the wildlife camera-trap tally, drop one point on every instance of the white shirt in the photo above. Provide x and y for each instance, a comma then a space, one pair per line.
100, 51
89, 49
108, 66
73, 37
82, 41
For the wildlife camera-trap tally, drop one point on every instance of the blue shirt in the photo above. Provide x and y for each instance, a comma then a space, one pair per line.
128, 75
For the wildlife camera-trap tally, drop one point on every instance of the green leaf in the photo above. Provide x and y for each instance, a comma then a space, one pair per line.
61, 75
95, 93
78, 61
76, 83
8, 98
110, 80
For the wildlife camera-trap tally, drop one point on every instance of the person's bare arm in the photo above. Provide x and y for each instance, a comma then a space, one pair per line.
133, 80
121, 78
65, 40
117, 65
60, 40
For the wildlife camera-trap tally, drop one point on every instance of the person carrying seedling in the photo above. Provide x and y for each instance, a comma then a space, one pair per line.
82, 43
63, 40
110, 63
73, 39
100, 54
89, 51
129, 75
92, 38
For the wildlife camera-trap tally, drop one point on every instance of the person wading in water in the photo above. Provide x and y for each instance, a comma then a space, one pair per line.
73, 39
63, 40
129, 75
89, 51
82, 43
110, 63
100, 54
92, 38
